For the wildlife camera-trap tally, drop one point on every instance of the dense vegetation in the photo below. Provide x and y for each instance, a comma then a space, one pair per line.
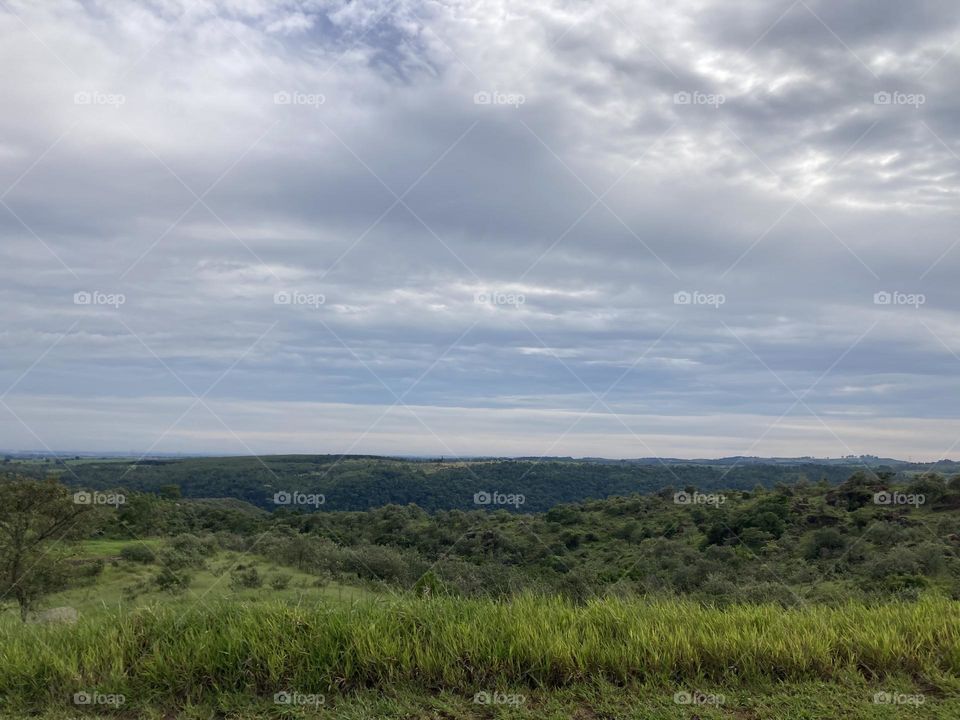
789, 544
360, 483
215, 604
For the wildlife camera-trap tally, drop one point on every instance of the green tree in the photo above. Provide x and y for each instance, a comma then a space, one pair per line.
37, 519
170, 492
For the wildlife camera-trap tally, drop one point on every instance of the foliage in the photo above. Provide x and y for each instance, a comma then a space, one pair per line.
185, 551
138, 553
36, 520
172, 581
245, 577
778, 545
280, 581
360, 483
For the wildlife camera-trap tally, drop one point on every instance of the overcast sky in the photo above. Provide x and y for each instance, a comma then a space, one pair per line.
619, 228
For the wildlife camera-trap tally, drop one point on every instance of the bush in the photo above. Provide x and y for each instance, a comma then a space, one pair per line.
138, 553
280, 581
88, 569
171, 581
241, 577
821, 544
377, 562
186, 551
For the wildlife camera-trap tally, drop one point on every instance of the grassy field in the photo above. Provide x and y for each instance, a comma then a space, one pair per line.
332, 642
208, 585
530, 657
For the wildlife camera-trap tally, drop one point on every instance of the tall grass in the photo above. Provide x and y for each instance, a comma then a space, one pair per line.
171, 655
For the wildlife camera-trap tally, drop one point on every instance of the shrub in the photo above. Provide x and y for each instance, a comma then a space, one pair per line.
824, 543
87, 569
241, 577
376, 562
280, 581
138, 553
172, 581
185, 551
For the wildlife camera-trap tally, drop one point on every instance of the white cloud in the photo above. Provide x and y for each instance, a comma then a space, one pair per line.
298, 125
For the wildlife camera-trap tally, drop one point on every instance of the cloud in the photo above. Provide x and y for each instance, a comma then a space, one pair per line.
422, 167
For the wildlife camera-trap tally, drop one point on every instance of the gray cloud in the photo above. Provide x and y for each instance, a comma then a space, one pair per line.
502, 263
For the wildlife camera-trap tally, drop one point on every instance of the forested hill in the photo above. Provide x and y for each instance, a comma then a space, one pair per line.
362, 482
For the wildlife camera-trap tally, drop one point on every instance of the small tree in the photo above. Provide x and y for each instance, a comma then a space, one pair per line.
35, 520
173, 581
245, 577
138, 553
280, 581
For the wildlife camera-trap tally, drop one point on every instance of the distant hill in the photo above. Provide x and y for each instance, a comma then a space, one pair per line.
362, 482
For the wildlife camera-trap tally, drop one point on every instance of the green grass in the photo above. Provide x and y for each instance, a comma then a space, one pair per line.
209, 585
235, 655
595, 701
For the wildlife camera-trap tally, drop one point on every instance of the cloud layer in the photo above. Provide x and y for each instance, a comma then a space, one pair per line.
418, 228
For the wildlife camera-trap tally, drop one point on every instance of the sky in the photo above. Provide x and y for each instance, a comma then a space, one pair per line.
621, 228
